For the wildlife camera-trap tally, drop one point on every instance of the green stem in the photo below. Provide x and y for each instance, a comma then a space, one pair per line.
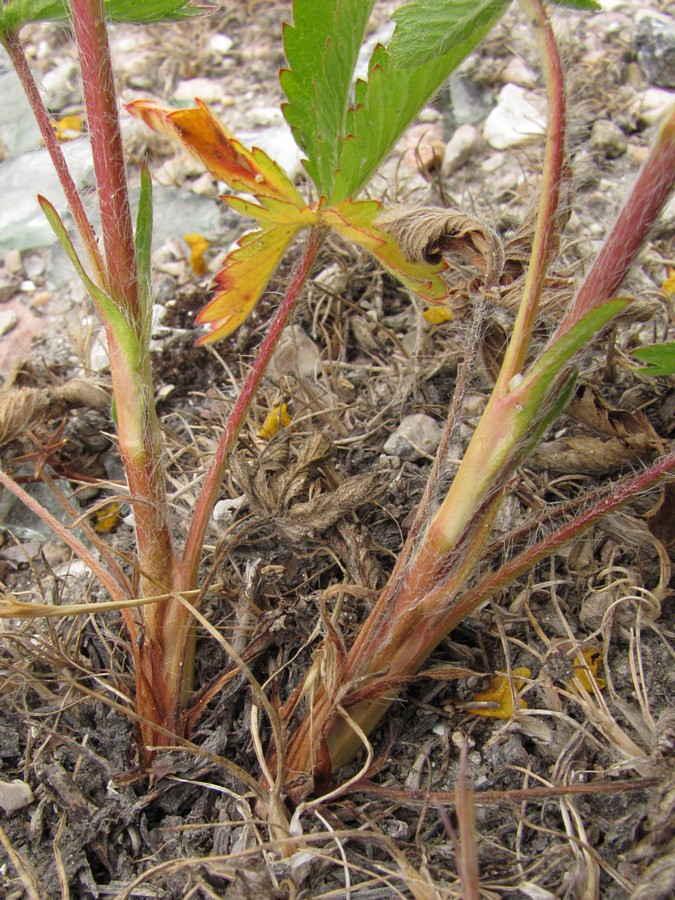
82, 223
546, 227
106, 143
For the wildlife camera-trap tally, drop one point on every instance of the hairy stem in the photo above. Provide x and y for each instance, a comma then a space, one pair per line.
546, 227
214, 476
106, 143
648, 196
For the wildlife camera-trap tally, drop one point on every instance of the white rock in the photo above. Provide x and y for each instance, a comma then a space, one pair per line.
514, 121
518, 72
651, 105
205, 88
14, 795
8, 320
459, 148
220, 43
296, 354
418, 435
224, 510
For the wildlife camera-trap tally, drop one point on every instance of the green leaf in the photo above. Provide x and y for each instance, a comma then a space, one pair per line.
17, 13
548, 367
591, 5
427, 29
390, 100
322, 47
110, 314
660, 358
143, 244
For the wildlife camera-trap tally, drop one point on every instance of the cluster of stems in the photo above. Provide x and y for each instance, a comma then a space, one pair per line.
435, 582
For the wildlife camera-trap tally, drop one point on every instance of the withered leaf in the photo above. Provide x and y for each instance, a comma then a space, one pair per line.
587, 406
426, 233
589, 455
316, 515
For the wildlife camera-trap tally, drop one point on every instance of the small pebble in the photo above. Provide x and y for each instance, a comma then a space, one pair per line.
608, 139
8, 320
220, 44
417, 436
459, 148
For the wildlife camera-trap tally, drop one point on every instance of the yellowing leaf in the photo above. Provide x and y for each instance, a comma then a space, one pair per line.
589, 676
276, 418
106, 519
497, 701
668, 286
67, 128
242, 280
226, 158
436, 315
355, 219
276, 212
198, 246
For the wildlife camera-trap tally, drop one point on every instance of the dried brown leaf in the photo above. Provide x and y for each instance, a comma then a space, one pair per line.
585, 454
426, 233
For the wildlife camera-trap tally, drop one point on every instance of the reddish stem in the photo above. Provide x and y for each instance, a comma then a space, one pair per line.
546, 227
649, 194
106, 142
214, 477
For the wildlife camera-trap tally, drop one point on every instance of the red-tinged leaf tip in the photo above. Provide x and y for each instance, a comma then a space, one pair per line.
226, 158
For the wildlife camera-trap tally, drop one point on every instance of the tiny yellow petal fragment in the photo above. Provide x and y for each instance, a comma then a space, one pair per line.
436, 315
198, 246
277, 418
68, 128
668, 286
106, 519
497, 701
587, 676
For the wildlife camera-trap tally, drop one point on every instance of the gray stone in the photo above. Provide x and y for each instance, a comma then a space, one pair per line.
417, 436
459, 148
469, 102
655, 40
18, 129
607, 139
23, 225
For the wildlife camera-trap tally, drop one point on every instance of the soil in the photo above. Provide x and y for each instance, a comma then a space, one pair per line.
573, 791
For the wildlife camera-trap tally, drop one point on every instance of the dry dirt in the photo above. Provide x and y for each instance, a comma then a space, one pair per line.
574, 793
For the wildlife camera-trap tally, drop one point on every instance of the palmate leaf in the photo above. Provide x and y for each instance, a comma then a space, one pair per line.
281, 211
393, 96
322, 47
17, 13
